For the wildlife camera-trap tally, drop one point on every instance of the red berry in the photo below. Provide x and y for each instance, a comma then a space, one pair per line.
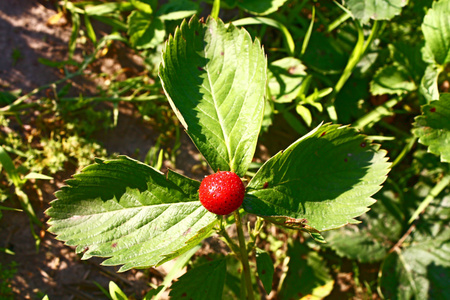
222, 193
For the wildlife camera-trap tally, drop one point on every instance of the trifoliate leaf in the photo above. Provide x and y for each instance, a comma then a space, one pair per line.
322, 181
129, 212
214, 76
433, 127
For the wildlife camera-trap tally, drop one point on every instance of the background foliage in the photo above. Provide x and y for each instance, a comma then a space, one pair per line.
382, 68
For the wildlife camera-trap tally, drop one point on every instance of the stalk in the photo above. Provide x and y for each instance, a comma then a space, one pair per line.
436, 190
244, 256
215, 9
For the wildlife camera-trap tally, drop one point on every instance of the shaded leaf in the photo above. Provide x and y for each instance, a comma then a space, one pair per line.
261, 7
391, 80
371, 240
322, 181
436, 30
265, 269
307, 276
215, 77
324, 54
420, 270
203, 282
433, 127
375, 9
129, 212
178, 9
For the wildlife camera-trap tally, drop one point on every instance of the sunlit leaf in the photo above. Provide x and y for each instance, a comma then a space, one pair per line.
436, 30
214, 76
433, 127
131, 213
322, 181
285, 78
375, 9
145, 31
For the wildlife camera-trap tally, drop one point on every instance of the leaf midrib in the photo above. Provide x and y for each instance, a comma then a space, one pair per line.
219, 116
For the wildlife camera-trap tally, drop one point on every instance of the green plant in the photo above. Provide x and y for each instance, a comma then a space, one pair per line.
6, 274
382, 67
139, 217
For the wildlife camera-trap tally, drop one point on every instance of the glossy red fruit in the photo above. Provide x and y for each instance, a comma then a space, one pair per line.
222, 193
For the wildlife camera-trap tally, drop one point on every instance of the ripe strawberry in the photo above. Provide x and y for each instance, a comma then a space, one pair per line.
222, 193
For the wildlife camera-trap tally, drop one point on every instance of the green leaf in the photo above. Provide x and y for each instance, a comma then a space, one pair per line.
74, 34
371, 240
142, 6
285, 79
8, 165
145, 31
324, 54
320, 182
203, 282
304, 113
429, 83
265, 269
115, 292
436, 30
89, 29
391, 80
108, 8
129, 212
34, 175
309, 269
421, 268
375, 9
215, 77
174, 272
287, 37
433, 127
261, 7
178, 9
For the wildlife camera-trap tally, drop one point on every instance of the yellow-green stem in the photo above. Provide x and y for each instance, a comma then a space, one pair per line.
244, 256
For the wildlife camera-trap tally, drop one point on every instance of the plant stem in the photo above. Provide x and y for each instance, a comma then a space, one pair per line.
436, 190
215, 9
244, 256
